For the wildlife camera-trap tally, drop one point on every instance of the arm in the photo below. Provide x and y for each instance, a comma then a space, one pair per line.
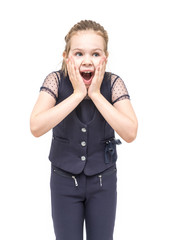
46, 115
120, 116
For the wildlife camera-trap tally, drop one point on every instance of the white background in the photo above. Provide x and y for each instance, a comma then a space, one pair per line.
144, 50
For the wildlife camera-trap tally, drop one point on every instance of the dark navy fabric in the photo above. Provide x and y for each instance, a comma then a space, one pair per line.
79, 141
76, 198
81, 111
83, 174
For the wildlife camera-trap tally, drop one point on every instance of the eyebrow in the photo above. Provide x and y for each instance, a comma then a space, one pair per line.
80, 49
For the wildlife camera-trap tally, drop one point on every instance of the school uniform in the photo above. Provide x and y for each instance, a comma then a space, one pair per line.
83, 159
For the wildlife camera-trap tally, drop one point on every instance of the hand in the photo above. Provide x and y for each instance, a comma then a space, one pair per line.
75, 78
98, 78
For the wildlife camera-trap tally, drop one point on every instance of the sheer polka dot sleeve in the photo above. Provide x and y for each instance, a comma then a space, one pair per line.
118, 89
51, 84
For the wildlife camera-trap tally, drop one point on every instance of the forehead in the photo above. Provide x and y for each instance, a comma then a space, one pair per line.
87, 40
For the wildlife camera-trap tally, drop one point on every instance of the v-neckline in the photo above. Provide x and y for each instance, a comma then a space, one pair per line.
92, 119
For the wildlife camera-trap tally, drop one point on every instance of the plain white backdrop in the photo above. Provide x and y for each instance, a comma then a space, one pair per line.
144, 50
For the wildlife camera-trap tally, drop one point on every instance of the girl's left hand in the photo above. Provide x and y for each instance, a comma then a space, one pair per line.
98, 78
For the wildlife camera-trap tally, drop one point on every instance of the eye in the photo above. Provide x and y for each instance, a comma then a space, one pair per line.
96, 54
78, 54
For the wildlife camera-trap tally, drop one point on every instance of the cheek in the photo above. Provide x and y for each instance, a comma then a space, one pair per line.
97, 61
77, 61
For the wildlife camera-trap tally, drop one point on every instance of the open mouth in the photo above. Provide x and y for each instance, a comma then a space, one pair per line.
87, 76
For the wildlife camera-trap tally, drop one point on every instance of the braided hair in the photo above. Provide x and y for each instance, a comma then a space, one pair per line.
83, 25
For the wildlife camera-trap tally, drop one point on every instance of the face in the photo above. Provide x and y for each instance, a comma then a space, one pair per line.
87, 49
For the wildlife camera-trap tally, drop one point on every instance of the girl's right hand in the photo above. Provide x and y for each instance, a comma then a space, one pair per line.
75, 78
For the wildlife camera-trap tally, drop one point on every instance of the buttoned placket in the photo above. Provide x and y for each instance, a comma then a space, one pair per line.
83, 143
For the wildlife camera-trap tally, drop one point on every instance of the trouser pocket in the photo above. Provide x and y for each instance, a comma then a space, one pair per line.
60, 172
106, 173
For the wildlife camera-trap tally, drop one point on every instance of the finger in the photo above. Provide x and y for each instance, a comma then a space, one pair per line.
102, 64
76, 70
98, 69
73, 67
68, 66
78, 73
70, 69
102, 69
73, 63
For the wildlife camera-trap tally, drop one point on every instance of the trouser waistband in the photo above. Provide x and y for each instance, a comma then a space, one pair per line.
73, 176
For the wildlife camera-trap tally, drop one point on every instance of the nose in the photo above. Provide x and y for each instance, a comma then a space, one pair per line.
87, 61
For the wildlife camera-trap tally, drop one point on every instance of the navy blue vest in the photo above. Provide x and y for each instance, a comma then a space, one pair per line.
88, 145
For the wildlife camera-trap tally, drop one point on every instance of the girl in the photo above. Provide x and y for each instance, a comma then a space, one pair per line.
84, 105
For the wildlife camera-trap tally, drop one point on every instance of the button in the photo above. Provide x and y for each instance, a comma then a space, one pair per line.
83, 129
83, 158
83, 143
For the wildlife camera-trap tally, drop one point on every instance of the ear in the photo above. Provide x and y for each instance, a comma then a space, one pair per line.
64, 54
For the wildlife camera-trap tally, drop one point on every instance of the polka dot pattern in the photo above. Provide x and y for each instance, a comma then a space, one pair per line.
118, 88
51, 84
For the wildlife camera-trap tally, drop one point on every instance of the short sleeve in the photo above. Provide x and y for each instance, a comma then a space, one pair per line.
118, 89
51, 84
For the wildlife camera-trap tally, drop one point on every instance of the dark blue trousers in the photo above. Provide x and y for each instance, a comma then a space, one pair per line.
79, 198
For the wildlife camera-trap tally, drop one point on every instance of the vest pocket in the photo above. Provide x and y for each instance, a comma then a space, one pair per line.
60, 139
110, 155
107, 139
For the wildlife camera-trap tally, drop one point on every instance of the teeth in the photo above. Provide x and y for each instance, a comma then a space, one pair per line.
87, 72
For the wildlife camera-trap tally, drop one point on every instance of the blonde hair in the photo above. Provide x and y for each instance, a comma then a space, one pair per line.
83, 26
